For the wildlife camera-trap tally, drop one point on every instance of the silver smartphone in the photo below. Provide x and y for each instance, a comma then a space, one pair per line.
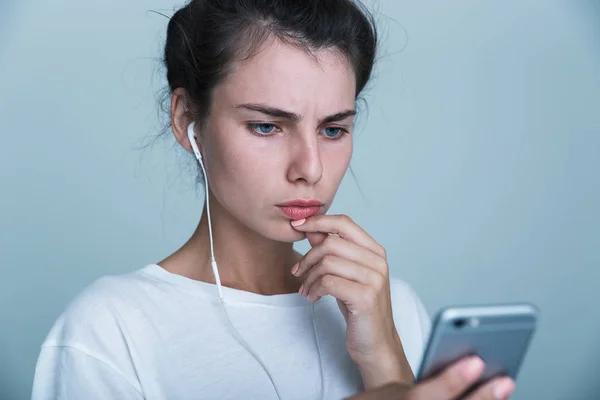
499, 334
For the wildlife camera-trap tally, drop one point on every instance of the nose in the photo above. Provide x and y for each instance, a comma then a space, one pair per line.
305, 161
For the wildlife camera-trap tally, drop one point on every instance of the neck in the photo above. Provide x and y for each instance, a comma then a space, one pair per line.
246, 260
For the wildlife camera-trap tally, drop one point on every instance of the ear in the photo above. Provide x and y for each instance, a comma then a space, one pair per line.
181, 117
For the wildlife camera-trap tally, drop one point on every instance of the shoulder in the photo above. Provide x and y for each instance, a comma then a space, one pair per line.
89, 342
411, 319
102, 306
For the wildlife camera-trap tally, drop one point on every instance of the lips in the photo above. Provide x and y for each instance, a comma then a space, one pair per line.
295, 212
299, 209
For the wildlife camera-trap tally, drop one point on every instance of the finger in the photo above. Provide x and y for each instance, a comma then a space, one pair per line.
333, 265
342, 248
496, 389
451, 383
343, 226
353, 294
316, 238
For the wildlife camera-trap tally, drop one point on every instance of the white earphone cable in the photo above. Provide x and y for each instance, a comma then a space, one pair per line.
213, 261
215, 270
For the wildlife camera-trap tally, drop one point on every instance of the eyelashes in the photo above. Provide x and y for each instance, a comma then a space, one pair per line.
337, 131
266, 129
263, 129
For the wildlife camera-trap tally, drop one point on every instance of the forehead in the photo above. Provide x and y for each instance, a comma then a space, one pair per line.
286, 76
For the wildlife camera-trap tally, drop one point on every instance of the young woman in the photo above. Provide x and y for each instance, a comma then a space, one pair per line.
264, 93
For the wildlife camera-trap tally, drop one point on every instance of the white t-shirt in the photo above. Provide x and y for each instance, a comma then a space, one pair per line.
151, 334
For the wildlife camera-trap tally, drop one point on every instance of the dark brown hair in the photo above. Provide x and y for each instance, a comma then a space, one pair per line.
205, 38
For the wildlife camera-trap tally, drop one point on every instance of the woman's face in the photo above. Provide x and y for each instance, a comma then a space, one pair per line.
279, 131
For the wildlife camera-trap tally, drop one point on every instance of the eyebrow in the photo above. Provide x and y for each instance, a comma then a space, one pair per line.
279, 113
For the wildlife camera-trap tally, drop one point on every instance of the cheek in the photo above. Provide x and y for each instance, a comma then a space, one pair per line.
337, 160
238, 170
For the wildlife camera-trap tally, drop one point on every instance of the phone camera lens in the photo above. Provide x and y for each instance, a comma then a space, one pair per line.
459, 323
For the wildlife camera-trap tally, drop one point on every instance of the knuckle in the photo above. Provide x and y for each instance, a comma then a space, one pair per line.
378, 281
320, 269
341, 219
316, 271
367, 276
369, 296
327, 260
330, 241
382, 265
327, 282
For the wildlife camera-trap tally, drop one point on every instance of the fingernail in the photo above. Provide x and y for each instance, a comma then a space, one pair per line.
503, 388
311, 298
300, 290
472, 369
298, 222
295, 268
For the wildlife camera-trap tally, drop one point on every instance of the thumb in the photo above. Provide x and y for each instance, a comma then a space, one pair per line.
451, 383
316, 238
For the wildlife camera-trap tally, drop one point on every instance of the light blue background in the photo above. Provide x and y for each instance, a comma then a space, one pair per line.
478, 158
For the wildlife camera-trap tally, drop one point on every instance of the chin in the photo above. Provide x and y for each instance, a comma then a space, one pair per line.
283, 233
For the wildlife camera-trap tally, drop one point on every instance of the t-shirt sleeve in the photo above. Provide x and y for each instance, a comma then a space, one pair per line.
64, 372
86, 355
412, 321
424, 319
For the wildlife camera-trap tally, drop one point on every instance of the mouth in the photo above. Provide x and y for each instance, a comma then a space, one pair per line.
299, 209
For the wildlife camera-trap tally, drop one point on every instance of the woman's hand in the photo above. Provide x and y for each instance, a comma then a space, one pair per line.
348, 264
450, 384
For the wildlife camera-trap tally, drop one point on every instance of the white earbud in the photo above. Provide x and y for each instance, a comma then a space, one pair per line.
190, 133
191, 137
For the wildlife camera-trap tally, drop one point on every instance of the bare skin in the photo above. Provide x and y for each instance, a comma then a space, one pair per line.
448, 385
280, 129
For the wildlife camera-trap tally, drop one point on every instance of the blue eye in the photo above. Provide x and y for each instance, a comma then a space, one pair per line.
262, 129
333, 132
